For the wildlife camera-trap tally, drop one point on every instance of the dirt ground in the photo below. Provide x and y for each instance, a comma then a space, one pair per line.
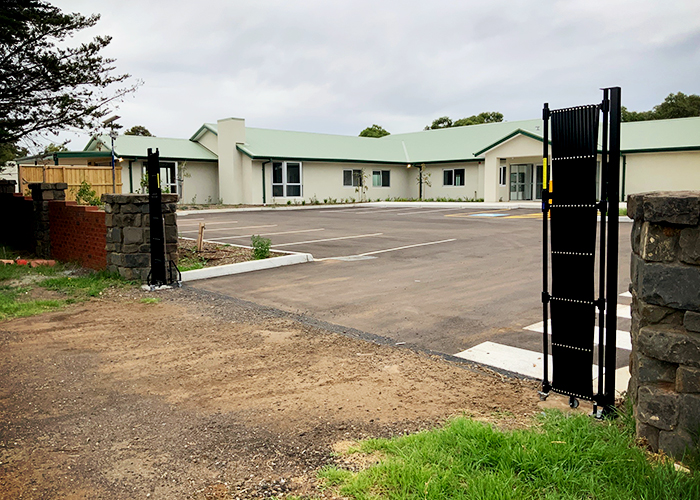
203, 396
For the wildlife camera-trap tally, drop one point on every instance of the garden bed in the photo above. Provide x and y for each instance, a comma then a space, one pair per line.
212, 254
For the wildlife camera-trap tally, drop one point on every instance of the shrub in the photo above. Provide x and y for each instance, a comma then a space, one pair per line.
86, 195
261, 247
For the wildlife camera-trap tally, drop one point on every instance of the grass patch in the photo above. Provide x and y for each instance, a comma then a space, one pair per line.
623, 211
13, 304
150, 300
563, 456
27, 291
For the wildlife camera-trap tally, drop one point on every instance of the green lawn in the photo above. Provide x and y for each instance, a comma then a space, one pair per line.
561, 457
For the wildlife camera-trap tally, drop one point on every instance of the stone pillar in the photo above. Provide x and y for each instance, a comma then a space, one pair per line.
7, 186
129, 235
665, 359
42, 194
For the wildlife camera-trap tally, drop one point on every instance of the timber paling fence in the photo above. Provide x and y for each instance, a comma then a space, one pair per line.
100, 178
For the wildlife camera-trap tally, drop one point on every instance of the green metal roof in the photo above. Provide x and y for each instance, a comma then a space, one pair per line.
460, 143
136, 146
428, 146
278, 144
207, 127
660, 135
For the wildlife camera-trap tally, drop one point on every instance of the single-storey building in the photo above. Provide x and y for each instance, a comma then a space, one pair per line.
231, 163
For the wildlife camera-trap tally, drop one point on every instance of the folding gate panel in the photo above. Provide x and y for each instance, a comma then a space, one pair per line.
573, 242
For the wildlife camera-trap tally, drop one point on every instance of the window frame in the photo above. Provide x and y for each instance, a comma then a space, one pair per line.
503, 175
381, 178
168, 175
453, 177
356, 177
284, 184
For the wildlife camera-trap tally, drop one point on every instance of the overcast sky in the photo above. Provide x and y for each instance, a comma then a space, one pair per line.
336, 66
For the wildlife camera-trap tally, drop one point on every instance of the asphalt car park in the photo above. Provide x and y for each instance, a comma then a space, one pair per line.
446, 279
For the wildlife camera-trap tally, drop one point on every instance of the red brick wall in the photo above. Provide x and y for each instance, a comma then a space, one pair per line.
78, 234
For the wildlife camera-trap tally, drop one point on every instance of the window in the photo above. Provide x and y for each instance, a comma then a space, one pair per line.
168, 176
352, 178
380, 178
503, 173
286, 179
453, 177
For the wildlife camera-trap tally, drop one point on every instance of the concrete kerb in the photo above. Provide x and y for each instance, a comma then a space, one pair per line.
376, 204
246, 267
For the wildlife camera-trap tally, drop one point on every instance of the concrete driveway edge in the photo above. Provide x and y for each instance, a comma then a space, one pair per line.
245, 267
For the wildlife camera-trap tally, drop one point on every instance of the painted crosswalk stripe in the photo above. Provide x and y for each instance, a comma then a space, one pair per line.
529, 363
624, 340
624, 311
513, 359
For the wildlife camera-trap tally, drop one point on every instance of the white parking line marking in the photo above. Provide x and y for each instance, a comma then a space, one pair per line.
375, 210
326, 239
623, 338
513, 359
231, 228
209, 223
271, 234
428, 210
626, 294
353, 257
408, 246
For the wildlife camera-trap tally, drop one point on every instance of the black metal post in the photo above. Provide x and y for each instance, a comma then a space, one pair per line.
420, 182
604, 165
613, 243
546, 385
158, 261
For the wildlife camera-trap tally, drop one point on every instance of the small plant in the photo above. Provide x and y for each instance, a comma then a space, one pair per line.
150, 300
209, 201
144, 184
85, 195
261, 247
194, 199
303, 202
289, 202
314, 201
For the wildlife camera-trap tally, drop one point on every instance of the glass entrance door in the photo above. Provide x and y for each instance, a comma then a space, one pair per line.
521, 182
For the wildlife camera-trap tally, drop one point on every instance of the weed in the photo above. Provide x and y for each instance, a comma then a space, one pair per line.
150, 300
261, 247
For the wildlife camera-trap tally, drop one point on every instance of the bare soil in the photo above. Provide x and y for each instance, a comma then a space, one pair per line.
202, 396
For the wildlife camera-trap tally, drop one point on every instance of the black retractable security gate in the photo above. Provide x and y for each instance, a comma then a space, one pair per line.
571, 211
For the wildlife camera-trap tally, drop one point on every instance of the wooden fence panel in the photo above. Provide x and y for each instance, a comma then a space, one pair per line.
100, 178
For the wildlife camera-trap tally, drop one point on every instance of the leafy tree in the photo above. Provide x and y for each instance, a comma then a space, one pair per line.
140, 130
374, 131
678, 106
442, 122
9, 151
485, 117
47, 85
54, 148
674, 106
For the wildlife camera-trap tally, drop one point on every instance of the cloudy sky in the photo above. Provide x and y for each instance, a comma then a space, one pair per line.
337, 66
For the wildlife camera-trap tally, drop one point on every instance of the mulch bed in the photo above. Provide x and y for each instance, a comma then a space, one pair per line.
215, 254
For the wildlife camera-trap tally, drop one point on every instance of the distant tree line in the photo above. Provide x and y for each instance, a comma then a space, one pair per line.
674, 106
